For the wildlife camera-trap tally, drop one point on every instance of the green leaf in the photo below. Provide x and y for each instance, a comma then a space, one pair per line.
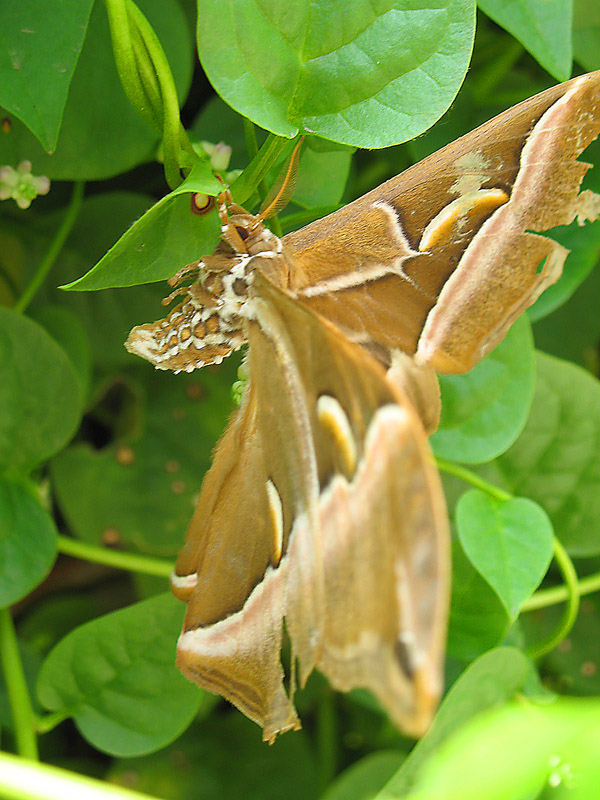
556, 460
116, 677
586, 34
39, 48
370, 74
544, 29
101, 134
224, 758
478, 620
584, 244
484, 411
67, 330
516, 751
364, 779
509, 542
488, 682
166, 238
573, 330
27, 540
40, 398
143, 488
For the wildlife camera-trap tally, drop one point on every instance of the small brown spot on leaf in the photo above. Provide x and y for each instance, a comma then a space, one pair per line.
178, 414
178, 487
111, 537
565, 646
125, 456
194, 391
172, 466
588, 669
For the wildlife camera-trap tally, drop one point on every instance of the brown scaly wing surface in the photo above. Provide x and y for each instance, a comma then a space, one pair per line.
440, 260
322, 507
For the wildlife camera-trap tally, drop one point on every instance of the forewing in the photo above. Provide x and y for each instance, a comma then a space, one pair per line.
441, 259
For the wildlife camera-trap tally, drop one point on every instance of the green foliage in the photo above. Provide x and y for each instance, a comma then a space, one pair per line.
102, 457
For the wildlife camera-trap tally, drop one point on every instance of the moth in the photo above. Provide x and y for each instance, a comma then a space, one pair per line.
322, 510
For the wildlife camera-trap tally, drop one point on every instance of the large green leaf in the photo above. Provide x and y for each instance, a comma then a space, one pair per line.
39, 48
556, 460
484, 411
369, 74
27, 540
116, 677
101, 134
544, 29
488, 682
509, 542
586, 34
40, 394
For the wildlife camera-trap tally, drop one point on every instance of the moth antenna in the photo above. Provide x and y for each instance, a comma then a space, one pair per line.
283, 188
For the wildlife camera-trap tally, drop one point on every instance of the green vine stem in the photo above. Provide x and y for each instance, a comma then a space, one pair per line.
56, 246
26, 780
571, 609
16, 687
450, 468
133, 562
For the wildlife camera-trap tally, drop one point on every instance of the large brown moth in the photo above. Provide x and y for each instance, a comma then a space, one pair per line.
322, 507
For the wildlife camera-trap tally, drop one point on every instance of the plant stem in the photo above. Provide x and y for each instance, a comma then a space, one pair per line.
23, 780
558, 594
570, 613
470, 477
55, 247
16, 687
146, 565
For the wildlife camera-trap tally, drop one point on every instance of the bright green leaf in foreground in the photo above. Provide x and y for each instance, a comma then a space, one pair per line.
369, 74
484, 411
116, 677
27, 541
40, 396
509, 542
488, 682
518, 751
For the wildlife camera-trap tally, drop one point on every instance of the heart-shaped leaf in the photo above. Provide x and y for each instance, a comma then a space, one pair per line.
509, 542
556, 460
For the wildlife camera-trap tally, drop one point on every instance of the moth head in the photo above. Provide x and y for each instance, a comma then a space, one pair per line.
208, 324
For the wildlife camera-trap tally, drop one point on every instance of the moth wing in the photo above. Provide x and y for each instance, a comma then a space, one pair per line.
441, 259
322, 507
